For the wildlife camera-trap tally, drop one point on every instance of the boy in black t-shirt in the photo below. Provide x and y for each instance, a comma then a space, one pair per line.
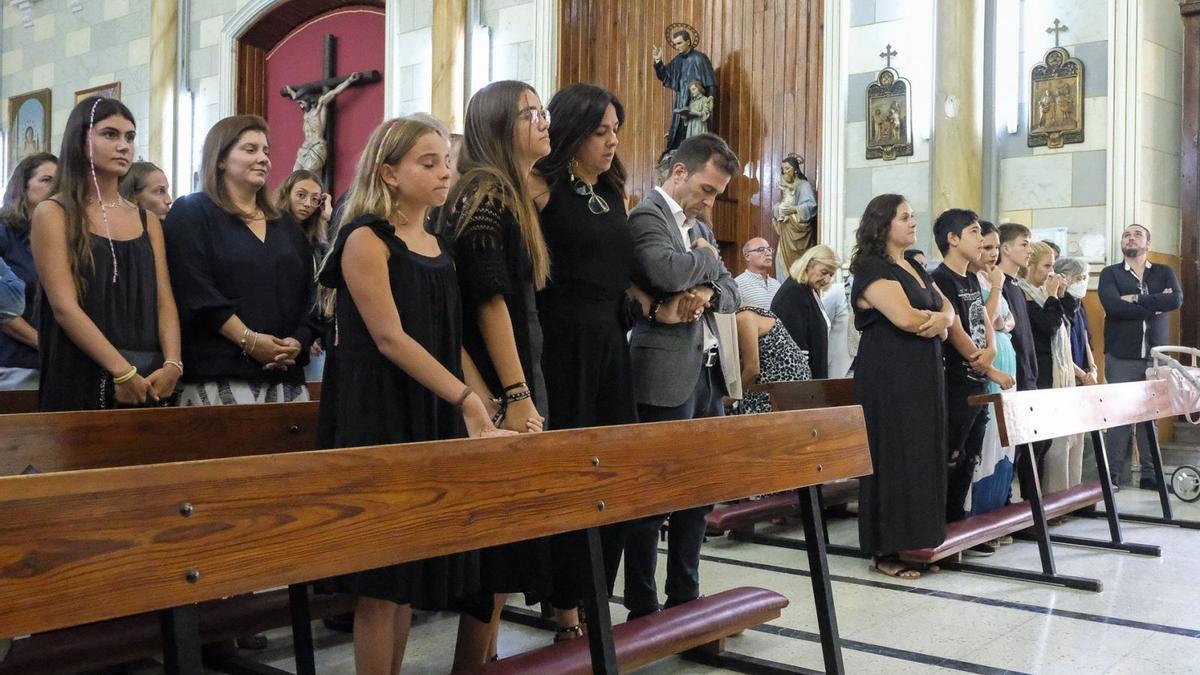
968, 355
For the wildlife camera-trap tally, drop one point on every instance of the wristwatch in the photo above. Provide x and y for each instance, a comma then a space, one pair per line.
654, 307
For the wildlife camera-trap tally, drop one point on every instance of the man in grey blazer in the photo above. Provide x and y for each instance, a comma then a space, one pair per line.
677, 367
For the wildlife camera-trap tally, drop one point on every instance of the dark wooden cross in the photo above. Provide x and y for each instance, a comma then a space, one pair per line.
311, 91
888, 54
1058, 28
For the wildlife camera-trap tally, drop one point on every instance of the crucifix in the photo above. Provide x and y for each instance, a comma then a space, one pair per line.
316, 102
1057, 29
888, 54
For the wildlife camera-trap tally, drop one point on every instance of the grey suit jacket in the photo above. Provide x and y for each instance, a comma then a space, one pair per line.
667, 359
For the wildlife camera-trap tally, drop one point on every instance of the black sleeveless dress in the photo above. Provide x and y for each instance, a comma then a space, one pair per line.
586, 358
125, 311
367, 400
900, 381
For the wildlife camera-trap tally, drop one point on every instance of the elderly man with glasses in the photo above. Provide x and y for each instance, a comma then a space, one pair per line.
756, 284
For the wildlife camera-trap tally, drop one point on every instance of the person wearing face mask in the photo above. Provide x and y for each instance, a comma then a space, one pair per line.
677, 368
798, 305
243, 274
1075, 271
1137, 297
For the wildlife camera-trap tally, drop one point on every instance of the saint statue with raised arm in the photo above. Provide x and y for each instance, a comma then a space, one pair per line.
689, 66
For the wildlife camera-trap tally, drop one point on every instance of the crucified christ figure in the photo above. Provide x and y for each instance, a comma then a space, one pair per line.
313, 153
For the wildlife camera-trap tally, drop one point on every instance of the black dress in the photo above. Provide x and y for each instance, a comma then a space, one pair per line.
492, 260
802, 314
368, 400
899, 379
586, 358
125, 311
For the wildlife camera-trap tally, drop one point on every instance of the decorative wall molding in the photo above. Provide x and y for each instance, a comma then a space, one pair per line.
1124, 181
832, 215
545, 48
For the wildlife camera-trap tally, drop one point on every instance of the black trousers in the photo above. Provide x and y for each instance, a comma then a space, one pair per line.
687, 527
967, 424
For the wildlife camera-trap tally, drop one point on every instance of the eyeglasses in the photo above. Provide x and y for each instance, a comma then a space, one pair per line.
761, 249
534, 115
596, 203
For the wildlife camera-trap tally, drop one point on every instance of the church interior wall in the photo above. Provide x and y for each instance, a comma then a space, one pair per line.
1160, 108
68, 51
871, 25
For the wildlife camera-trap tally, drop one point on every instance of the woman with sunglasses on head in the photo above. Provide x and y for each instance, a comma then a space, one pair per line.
579, 190
502, 262
111, 334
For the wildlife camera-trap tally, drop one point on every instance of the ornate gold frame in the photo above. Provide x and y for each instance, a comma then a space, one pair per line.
889, 112
1056, 100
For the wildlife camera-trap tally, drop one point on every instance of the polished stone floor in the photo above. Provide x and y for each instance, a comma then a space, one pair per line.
1146, 620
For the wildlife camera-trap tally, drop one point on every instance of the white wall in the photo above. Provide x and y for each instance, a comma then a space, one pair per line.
68, 51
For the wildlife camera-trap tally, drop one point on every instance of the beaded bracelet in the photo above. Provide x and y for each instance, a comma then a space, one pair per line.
178, 365
519, 396
518, 385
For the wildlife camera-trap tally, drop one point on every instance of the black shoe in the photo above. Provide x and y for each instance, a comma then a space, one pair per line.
1148, 484
980, 551
342, 623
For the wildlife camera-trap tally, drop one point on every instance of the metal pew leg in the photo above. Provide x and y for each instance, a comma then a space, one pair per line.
302, 639
600, 639
181, 640
818, 565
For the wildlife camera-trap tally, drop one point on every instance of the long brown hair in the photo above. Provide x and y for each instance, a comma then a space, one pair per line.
73, 184
489, 171
15, 211
872, 234
283, 202
217, 144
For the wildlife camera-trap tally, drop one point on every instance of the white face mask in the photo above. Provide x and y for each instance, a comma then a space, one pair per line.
1078, 289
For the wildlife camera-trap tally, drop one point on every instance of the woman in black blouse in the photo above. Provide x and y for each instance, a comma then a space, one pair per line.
798, 305
502, 262
243, 277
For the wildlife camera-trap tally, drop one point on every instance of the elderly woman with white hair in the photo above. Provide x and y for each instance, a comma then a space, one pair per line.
798, 305
1075, 272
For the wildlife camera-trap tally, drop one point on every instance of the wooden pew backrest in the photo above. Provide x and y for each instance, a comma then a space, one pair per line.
72, 441
114, 542
808, 394
1029, 416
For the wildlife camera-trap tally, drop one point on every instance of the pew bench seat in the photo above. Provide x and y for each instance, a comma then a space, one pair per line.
742, 516
108, 643
1009, 519
701, 624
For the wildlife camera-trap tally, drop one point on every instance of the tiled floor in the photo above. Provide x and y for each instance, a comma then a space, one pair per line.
1145, 621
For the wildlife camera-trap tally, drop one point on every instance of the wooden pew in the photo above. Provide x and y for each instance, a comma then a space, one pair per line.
740, 518
26, 400
982, 528
83, 546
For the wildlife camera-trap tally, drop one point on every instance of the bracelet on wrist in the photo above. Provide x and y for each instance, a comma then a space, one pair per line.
654, 307
519, 396
177, 365
127, 376
518, 385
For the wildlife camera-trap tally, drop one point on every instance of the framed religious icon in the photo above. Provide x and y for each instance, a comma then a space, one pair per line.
1056, 100
110, 90
889, 109
28, 124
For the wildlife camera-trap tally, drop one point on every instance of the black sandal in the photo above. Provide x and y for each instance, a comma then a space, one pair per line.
568, 633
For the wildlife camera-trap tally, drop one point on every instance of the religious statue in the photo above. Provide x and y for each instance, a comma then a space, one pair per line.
698, 112
314, 151
795, 213
688, 69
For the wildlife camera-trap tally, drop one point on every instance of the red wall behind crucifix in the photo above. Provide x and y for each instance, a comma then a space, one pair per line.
297, 59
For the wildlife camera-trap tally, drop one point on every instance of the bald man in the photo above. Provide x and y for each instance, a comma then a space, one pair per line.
756, 284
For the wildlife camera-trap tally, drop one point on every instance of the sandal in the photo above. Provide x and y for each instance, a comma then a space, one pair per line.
896, 569
568, 633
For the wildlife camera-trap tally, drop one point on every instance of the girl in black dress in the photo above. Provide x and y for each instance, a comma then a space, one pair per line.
502, 261
243, 274
396, 372
580, 194
111, 334
899, 379
30, 184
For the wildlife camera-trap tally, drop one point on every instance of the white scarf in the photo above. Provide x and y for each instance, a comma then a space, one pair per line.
1060, 344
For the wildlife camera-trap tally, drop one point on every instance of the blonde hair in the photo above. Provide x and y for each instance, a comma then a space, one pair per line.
369, 195
1037, 251
817, 254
